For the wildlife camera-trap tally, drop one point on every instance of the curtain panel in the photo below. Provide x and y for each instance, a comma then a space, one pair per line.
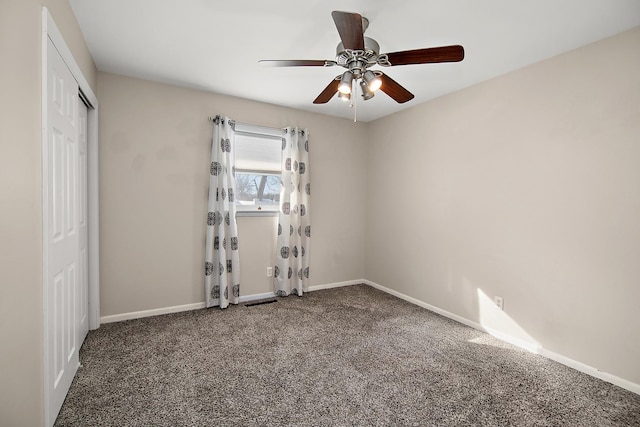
222, 271
291, 272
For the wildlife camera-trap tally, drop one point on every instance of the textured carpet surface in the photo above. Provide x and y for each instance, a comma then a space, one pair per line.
351, 356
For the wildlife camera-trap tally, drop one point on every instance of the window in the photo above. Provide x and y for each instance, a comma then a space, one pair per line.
258, 163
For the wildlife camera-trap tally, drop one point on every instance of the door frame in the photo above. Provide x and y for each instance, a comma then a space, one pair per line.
51, 31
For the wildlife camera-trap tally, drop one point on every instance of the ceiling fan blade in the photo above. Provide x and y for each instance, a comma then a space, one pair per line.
328, 92
394, 89
297, 63
349, 27
453, 53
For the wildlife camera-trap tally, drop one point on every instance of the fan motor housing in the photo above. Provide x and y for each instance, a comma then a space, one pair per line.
369, 55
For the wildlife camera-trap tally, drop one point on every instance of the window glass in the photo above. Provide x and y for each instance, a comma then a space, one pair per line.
255, 191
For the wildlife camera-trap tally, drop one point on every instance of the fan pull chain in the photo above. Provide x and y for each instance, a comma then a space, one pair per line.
354, 98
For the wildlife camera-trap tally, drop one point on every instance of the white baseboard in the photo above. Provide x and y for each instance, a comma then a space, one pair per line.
590, 370
152, 312
335, 285
533, 348
199, 305
174, 309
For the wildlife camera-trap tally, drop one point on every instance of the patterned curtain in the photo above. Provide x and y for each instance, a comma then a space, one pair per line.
222, 273
291, 272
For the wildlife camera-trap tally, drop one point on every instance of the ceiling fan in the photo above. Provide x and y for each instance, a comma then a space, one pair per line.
358, 53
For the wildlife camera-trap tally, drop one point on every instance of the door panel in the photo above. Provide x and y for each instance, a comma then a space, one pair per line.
71, 184
57, 189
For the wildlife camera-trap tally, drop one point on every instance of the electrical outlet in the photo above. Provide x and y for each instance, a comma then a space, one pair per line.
499, 302
269, 271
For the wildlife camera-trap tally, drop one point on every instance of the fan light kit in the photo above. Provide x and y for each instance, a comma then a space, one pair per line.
358, 53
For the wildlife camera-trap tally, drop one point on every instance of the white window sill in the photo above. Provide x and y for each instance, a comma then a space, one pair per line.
256, 213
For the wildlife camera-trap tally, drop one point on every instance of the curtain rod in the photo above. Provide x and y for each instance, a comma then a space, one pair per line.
212, 118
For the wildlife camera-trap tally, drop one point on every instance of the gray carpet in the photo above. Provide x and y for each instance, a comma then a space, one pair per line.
351, 356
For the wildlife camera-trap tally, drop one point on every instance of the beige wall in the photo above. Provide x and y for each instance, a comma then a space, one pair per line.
526, 187
154, 165
21, 352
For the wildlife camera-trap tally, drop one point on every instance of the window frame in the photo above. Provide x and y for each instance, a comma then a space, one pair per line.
262, 132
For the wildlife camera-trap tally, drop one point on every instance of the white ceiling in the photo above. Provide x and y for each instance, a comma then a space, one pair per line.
215, 45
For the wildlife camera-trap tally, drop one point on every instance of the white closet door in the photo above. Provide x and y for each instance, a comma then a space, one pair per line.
62, 231
83, 276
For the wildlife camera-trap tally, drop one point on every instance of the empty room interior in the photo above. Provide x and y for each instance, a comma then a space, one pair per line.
208, 218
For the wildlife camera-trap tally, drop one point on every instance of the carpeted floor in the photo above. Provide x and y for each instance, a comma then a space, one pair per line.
351, 356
